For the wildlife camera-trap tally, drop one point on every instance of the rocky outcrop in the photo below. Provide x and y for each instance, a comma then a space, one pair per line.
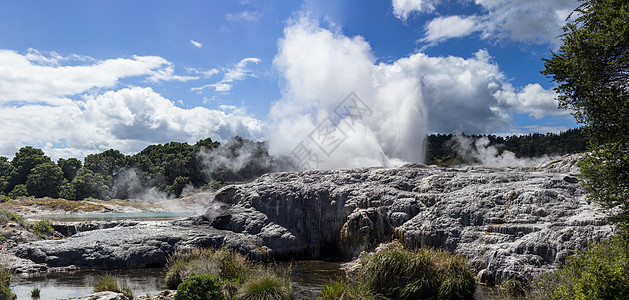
508, 221
102, 296
144, 245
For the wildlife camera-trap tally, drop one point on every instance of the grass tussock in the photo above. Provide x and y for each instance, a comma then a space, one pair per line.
108, 282
266, 286
600, 272
417, 274
345, 289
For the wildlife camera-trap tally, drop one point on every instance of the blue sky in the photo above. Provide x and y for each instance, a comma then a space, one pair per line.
79, 77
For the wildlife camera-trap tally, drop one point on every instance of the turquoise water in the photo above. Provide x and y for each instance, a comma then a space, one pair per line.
146, 216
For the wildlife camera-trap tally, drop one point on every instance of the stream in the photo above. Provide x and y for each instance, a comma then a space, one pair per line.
307, 277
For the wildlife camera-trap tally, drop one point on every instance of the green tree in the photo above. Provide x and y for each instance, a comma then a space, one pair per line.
69, 167
86, 184
5, 172
591, 69
108, 164
44, 180
24, 161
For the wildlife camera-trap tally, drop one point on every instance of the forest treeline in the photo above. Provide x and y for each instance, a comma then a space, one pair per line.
167, 169
445, 149
170, 168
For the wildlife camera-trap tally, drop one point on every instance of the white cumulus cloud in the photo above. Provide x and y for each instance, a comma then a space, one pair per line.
440, 29
128, 120
406, 97
403, 8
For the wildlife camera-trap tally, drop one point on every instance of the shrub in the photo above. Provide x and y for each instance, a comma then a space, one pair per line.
424, 273
225, 263
200, 287
6, 216
266, 286
600, 272
43, 227
5, 280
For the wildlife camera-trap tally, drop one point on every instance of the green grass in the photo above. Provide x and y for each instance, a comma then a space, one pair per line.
108, 282
266, 286
35, 293
417, 274
230, 266
600, 272
345, 290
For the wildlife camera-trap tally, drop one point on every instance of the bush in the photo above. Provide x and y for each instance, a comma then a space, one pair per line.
200, 287
424, 273
6, 216
600, 272
266, 286
5, 280
225, 263
43, 227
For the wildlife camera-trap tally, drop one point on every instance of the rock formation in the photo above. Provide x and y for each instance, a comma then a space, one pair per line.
508, 221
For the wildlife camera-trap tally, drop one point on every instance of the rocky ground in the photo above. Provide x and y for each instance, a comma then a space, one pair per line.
509, 222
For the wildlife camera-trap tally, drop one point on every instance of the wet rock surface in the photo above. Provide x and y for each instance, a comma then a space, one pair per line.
509, 222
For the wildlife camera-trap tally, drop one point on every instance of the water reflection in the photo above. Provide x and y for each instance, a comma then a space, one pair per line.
307, 278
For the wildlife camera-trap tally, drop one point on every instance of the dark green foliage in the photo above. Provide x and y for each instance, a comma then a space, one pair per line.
606, 173
69, 167
591, 69
418, 274
45, 179
600, 272
35, 293
24, 161
200, 287
18, 191
440, 148
178, 185
229, 265
107, 164
43, 227
86, 184
6, 169
5, 280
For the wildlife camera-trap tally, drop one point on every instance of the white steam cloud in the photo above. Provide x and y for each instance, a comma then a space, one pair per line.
481, 152
339, 109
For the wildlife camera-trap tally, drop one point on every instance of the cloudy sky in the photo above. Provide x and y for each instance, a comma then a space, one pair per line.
79, 77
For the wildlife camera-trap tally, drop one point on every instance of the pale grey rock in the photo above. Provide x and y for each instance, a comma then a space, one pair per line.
102, 296
509, 222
